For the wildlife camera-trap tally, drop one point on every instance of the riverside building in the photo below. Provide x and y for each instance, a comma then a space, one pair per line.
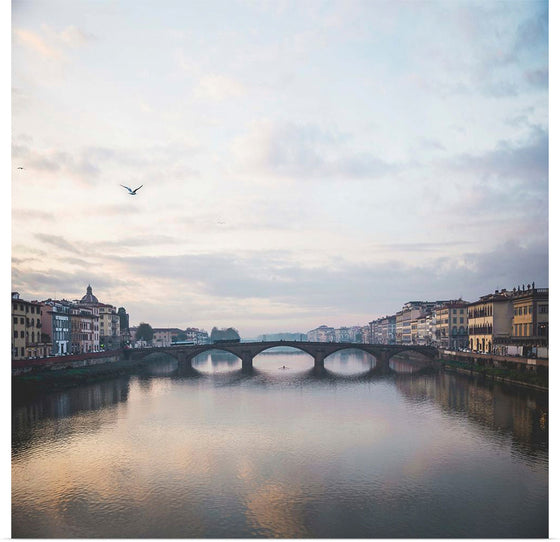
26, 329
490, 320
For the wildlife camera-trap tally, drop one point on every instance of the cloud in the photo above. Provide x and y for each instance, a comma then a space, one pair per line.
58, 241
31, 214
54, 283
218, 87
49, 44
356, 287
304, 151
36, 43
82, 166
527, 162
92, 164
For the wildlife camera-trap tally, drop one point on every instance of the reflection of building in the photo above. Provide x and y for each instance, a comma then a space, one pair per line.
26, 329
519, 412
490, 320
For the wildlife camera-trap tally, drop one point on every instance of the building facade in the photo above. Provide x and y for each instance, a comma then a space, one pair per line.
56, 325
109, 321
85, 329
165, 336
451, 325
27, 341
490, 321
322, 334
529, 330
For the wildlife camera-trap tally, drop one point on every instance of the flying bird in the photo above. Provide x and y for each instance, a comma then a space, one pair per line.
19, 167
130, 191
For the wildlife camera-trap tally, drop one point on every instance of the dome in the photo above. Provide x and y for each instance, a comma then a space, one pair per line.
89, 297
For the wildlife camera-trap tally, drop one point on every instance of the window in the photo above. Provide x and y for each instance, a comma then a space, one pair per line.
21, 335
15, 320
543, 309
15, 334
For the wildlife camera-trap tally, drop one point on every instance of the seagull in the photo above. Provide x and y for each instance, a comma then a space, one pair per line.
130, 191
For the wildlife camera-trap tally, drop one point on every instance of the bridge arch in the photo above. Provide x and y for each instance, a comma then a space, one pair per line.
319, 351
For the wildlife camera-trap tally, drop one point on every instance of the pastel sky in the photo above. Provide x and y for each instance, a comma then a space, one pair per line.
303, 162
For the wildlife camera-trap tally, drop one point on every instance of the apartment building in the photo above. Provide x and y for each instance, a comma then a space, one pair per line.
198, 336
56, 325
410, 312
451, 324
109, 320
490, 321
85, 329
322, 334
383, 330
165, 336
422, 333
529, 329
26, 329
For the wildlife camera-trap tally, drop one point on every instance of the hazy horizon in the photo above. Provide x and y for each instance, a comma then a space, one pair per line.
302, 163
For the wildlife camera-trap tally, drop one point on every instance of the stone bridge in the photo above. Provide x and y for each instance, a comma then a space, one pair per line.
319, 351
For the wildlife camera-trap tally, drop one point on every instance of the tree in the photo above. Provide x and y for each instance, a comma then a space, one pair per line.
229, 334
144, 332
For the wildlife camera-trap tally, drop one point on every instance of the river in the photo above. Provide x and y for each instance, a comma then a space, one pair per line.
282, 452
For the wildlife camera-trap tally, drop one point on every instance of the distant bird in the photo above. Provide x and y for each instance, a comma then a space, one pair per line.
20, 167
130, 191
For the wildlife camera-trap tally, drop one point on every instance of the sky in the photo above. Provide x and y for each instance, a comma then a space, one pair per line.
301, 163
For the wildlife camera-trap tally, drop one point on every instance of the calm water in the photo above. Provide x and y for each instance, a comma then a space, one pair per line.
282, 453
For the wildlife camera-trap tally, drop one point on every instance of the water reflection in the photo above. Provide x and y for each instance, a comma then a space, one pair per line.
283, 453
505, 409
41, 418
350, 362
216, 361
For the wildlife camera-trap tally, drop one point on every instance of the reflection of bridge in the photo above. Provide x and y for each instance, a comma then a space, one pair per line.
319, 351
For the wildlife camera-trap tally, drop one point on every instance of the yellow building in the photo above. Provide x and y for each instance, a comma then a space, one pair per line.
451, 324
26, 329
530, 318
490, 320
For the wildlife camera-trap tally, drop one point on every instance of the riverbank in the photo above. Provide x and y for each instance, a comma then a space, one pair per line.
41, 380
500, 374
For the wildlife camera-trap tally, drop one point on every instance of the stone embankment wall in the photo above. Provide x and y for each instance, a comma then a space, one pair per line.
515, 370
64, 362
495, 360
